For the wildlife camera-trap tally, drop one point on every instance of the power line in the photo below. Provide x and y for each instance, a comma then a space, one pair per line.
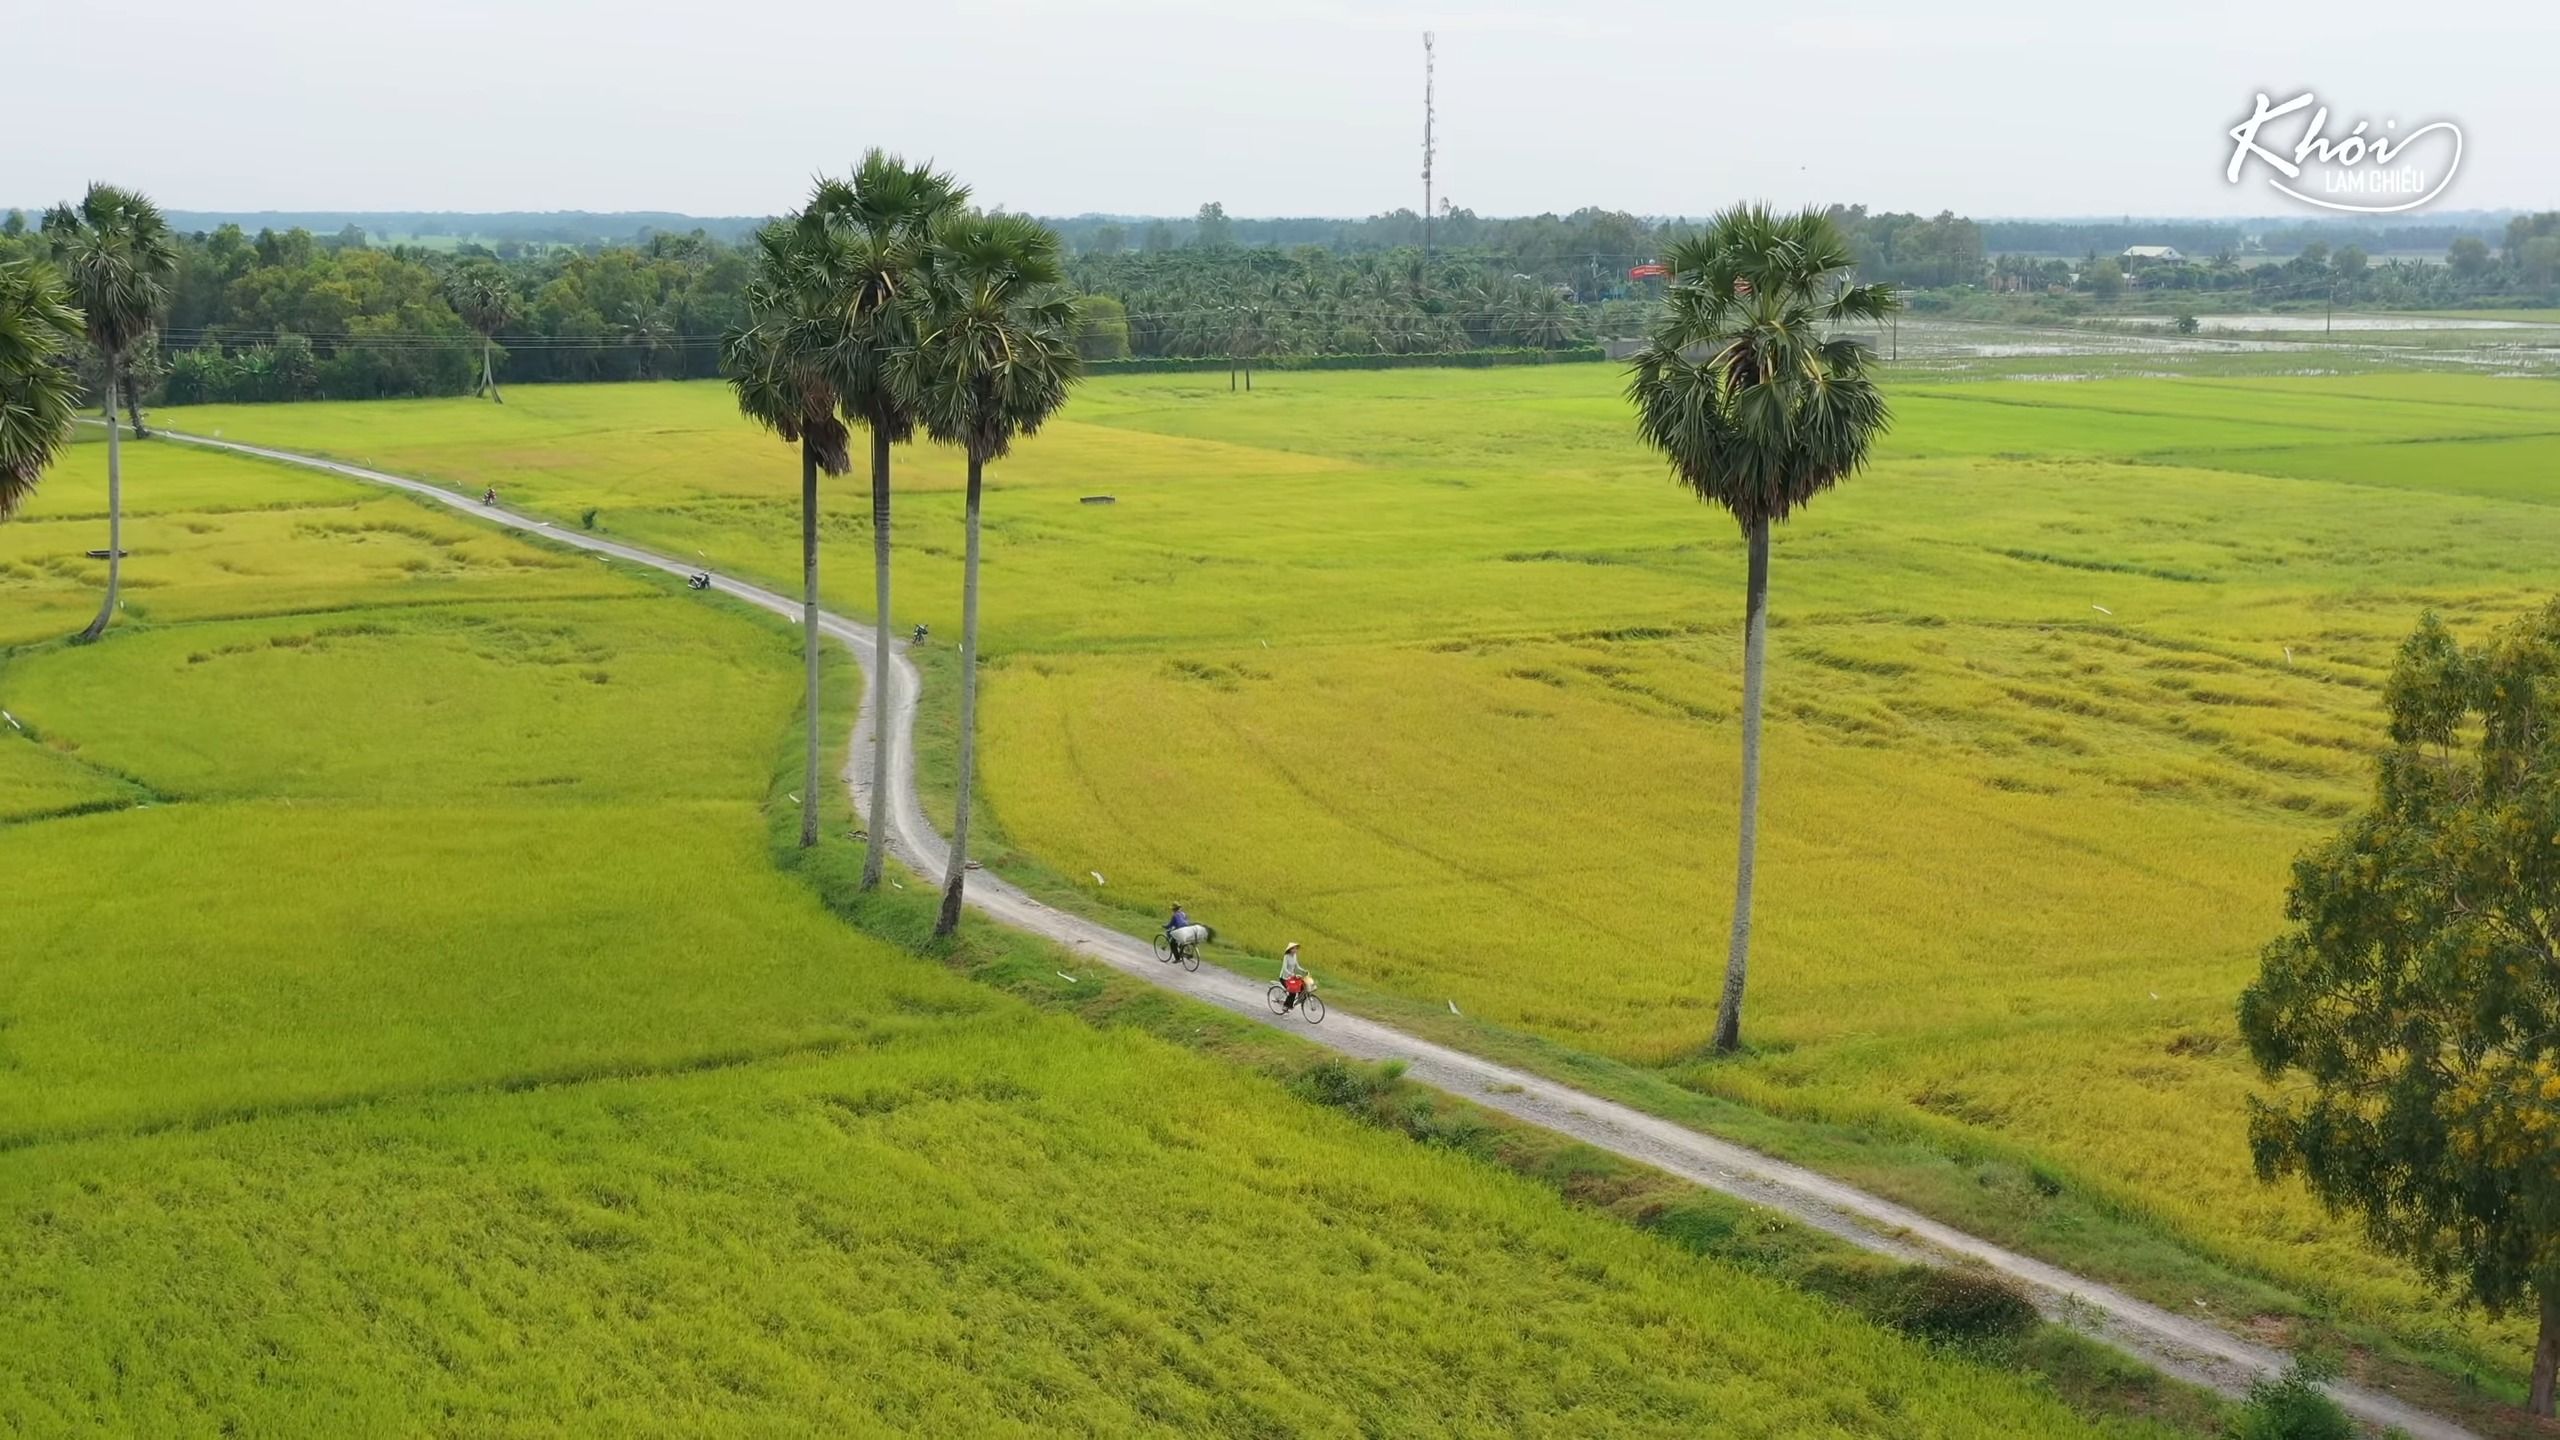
1392, 312
435, 338
1313, 314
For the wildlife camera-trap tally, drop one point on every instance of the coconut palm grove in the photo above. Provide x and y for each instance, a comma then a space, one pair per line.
906, 816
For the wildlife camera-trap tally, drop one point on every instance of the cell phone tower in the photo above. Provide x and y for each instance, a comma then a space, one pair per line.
1427, 152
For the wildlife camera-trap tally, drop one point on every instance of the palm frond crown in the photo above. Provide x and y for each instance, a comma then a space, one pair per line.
1754, 385
881, 218
481, 294
993, 354
38, 388
779, 359
121, 261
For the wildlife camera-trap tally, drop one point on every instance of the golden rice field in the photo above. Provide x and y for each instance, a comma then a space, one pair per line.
1436, 673
404, 1029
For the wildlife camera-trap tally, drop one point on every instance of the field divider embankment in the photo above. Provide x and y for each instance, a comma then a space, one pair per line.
340, 1102
2192, 1349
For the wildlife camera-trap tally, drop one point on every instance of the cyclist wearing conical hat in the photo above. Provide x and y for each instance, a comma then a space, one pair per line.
1293, 977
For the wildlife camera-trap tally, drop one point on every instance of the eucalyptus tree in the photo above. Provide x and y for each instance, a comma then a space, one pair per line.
2408, 1017
1751, 388
993, 357
120, 259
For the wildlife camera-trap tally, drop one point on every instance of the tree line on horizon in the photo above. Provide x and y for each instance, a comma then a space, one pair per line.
290, 315
2524, 268
513, 233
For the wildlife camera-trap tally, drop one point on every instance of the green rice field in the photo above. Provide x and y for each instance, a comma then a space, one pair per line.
1442, 672
405, 1029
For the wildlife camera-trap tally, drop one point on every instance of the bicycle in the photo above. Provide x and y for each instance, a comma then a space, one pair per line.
1169, 953
1310, 1004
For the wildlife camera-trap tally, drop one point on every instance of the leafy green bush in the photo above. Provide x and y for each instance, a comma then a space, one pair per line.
285, 370
1957, 1305
1377, 1094
1344, 1085
2293, 1406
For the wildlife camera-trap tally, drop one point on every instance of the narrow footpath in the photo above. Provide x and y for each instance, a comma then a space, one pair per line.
2191, 1349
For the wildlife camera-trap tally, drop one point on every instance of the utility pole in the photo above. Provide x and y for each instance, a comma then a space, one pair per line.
1427, 64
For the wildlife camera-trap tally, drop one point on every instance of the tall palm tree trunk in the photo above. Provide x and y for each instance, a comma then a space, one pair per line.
489, 372
133, 411
809, 638
115, 516
1755, 650
956, 875
875, 853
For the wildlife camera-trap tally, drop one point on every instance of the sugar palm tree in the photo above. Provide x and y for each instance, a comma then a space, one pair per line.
38, 389
482, 296
645, 330
119, 257
880, 218
144, 367
778, 362
1760, 403
1545, 319
993, 356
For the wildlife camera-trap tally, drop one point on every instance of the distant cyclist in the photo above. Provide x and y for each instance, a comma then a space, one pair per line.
1293, 977
489, 496
1183, 937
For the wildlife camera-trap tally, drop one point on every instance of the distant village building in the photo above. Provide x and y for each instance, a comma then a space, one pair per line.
2145, 254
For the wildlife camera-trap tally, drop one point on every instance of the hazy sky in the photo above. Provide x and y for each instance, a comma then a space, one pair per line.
1279, 107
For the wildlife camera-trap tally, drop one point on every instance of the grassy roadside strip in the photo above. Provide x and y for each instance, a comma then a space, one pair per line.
1975, 1319
2003, 1193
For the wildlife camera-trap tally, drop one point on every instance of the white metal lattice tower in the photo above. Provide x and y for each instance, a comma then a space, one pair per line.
1427, 152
